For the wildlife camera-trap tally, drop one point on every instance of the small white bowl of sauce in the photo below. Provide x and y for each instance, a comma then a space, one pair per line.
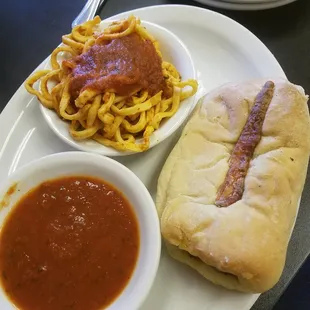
174, 51
78, 231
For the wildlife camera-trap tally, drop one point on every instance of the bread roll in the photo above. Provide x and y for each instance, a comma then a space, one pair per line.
242, 246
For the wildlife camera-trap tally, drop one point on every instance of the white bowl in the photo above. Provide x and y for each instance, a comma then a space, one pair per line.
174, 51
80, 163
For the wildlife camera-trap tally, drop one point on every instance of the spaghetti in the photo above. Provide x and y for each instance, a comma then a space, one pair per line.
113, 86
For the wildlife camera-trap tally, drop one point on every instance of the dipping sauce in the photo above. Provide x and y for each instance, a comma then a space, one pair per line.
123, 65
70, 243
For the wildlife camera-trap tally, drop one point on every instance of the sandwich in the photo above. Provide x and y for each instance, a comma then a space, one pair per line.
229, 192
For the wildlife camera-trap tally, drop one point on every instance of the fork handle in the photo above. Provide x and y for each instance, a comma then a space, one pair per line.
88, 12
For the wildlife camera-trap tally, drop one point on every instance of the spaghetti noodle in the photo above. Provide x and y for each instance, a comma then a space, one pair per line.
113, 86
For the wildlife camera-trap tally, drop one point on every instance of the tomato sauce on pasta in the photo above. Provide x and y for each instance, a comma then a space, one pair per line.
123, 65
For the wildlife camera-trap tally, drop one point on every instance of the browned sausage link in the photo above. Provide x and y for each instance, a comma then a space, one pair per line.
232, 188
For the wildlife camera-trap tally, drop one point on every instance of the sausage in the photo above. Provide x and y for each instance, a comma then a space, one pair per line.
233, 186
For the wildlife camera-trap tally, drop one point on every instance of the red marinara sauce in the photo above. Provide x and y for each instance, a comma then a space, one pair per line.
122, 65
70, 243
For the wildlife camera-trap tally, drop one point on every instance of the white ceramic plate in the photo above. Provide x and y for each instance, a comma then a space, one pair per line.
223, 51
243, 6
174, 51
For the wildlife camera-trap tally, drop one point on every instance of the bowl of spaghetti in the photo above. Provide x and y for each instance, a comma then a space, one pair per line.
116, 88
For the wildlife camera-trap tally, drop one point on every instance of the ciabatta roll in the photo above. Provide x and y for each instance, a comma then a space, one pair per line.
238, 243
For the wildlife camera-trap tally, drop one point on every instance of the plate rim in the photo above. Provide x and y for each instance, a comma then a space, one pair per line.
245, 6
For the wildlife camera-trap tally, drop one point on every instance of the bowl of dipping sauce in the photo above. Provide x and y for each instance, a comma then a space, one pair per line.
78, 231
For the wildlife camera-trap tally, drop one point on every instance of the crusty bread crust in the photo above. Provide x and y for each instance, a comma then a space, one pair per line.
245, 243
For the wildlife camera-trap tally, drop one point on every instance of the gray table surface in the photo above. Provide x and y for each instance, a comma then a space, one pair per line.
285, 31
